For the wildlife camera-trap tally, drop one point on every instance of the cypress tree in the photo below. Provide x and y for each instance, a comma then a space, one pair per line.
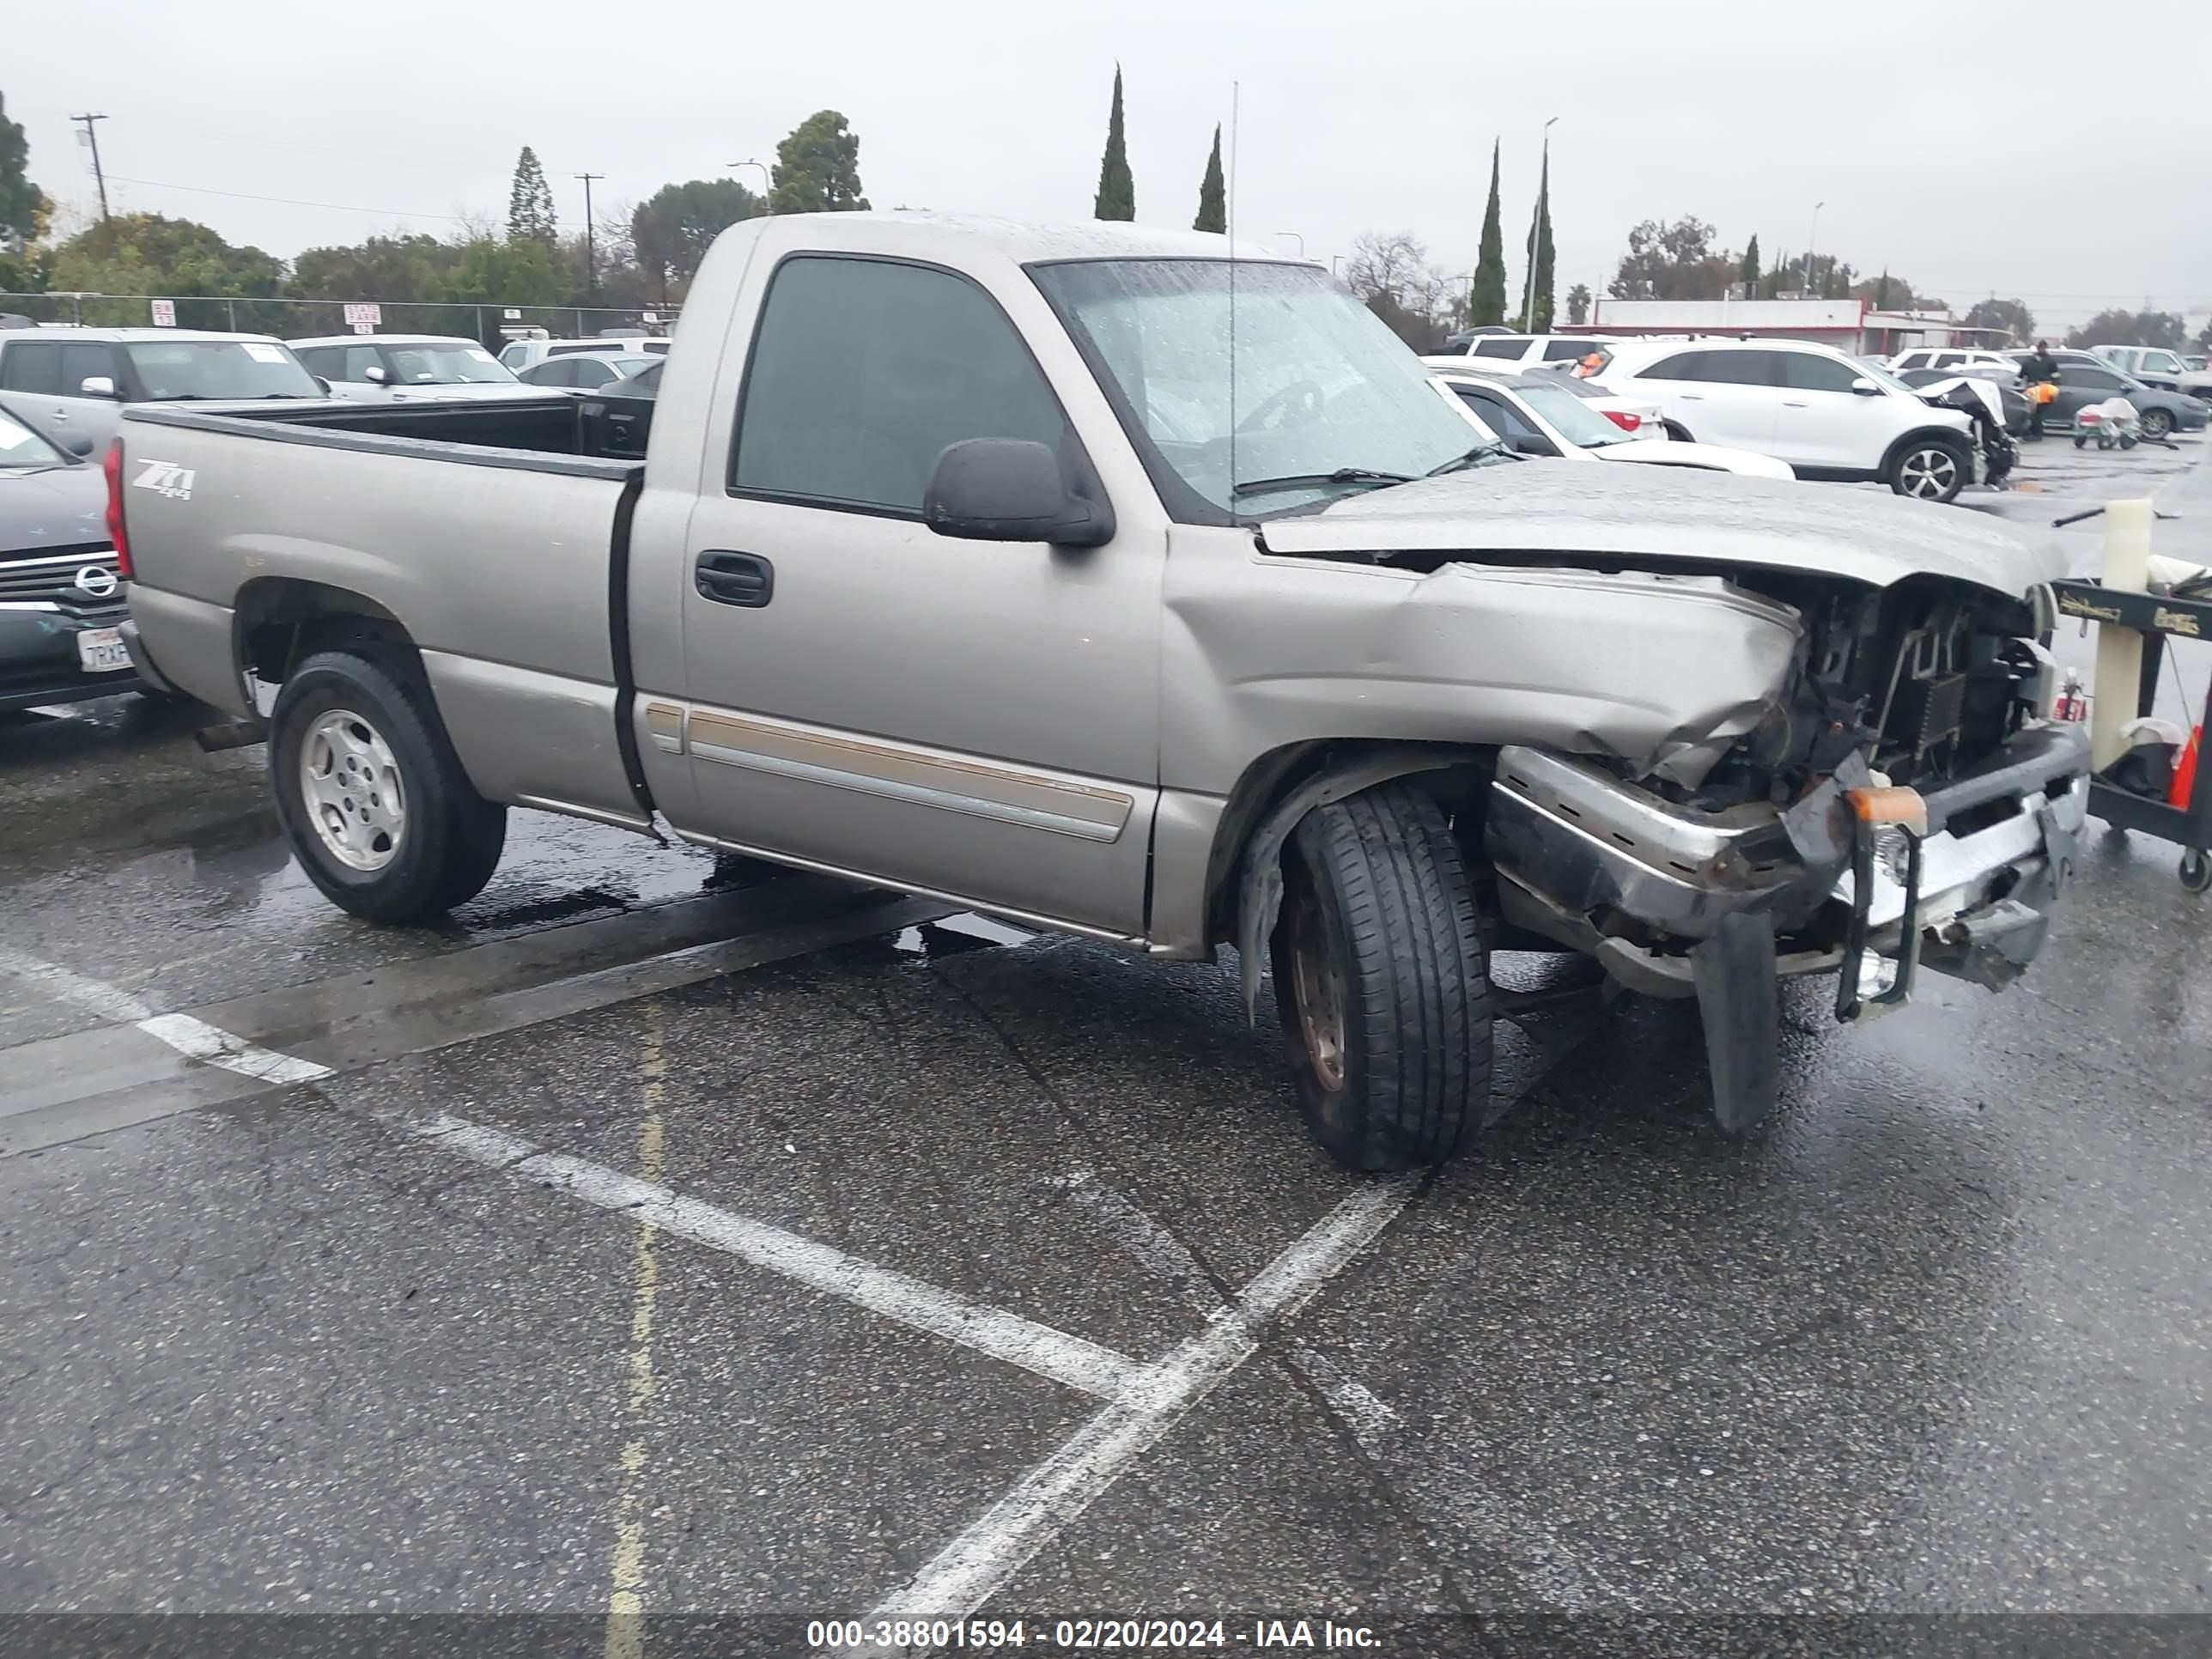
1117, 191
1213, 196
1540, 306
1748, 275
1486, 300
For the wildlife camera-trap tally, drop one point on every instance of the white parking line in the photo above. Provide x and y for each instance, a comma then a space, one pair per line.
187, 1035
1169, 1258
1073, 1360
967, 1571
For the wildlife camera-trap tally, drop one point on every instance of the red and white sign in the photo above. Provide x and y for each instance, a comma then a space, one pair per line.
165, 313
362, 315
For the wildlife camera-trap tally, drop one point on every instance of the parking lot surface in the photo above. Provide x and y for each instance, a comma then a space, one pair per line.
666, 1237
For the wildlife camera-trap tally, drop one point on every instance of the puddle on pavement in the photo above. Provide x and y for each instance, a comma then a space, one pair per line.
953, 936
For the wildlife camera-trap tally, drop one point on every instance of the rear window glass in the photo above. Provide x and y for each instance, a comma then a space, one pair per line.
1499, 348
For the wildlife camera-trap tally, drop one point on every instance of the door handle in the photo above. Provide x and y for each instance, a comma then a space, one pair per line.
740, 578
1694, 396
1790, 403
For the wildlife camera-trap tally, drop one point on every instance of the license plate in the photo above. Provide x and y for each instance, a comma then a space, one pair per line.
101, 650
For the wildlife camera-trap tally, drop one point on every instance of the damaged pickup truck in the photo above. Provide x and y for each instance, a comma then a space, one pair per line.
1094, 577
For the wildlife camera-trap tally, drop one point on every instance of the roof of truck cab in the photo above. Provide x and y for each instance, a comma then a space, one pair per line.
132, 335
1025, 242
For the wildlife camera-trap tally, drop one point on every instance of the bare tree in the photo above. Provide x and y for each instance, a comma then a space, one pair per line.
1390, 270
1385, 264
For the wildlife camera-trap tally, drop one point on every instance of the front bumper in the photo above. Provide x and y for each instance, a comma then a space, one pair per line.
1637, 882
39, 661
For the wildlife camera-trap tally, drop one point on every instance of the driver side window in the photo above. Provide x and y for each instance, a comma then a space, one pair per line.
863, 370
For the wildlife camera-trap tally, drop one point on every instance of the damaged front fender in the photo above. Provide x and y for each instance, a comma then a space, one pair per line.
1661, 673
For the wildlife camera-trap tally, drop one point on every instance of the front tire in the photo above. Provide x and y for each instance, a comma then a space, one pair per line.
2157, 423
379, 811
1382, 983
1930, 470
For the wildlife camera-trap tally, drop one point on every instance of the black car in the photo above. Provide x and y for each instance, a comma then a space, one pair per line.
60, 596
618, 416
2084, 380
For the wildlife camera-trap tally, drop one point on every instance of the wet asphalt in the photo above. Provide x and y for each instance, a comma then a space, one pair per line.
1936, 1341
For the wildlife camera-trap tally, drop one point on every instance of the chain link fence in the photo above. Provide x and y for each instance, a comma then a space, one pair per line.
493, 325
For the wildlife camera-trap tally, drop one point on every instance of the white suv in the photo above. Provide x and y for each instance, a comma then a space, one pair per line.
1954, 357
1828, 416
1523, 350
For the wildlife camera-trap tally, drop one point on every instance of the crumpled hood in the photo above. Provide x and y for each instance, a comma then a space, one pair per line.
1657, 513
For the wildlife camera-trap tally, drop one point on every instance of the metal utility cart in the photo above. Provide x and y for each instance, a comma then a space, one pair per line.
2154, 617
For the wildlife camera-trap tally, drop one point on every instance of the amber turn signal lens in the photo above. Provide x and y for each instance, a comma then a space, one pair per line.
1903, 807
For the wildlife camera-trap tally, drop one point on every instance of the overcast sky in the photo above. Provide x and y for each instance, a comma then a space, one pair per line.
2045, 164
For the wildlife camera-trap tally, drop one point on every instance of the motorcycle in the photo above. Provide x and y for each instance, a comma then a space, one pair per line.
1983, 404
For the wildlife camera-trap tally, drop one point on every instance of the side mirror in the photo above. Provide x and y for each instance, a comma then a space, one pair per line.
1010, 489
374, 374
96, 385
1530, 443
1865, 388
78, 444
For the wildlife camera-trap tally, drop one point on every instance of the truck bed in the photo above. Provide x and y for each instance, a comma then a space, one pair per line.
500, 552
536, 430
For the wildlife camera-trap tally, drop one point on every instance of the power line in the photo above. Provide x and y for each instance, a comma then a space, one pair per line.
290, 201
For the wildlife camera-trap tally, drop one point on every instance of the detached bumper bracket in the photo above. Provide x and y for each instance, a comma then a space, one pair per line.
1849, 1003
1739, 998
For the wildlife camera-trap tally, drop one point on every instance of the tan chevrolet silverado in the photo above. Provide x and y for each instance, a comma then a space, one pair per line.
1093, 576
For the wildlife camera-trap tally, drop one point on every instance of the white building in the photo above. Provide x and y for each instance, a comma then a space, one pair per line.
1850, 325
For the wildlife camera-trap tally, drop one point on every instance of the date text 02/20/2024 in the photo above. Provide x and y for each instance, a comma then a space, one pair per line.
898, 1635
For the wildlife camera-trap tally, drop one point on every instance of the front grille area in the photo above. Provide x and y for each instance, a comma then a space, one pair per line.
49, 576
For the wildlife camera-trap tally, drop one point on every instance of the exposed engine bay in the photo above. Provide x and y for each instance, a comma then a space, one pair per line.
1927, 677
1715, 740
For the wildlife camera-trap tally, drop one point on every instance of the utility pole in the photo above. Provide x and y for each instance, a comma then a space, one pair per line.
1809, 242
99, 177
591, 265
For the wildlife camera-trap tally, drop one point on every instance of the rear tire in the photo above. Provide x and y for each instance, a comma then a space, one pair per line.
434, 842
1382, 983
1930, 470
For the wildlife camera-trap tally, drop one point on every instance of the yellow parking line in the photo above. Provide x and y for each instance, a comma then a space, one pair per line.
626, 1578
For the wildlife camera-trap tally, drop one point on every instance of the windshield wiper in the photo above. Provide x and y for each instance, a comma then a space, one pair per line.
1366, 475
1490, 450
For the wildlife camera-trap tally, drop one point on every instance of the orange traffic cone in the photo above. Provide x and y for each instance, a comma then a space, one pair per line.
2184, 772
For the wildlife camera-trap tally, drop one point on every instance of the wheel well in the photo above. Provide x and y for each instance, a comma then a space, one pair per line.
1273, 777
280, 620
1922, 435
1677, 431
